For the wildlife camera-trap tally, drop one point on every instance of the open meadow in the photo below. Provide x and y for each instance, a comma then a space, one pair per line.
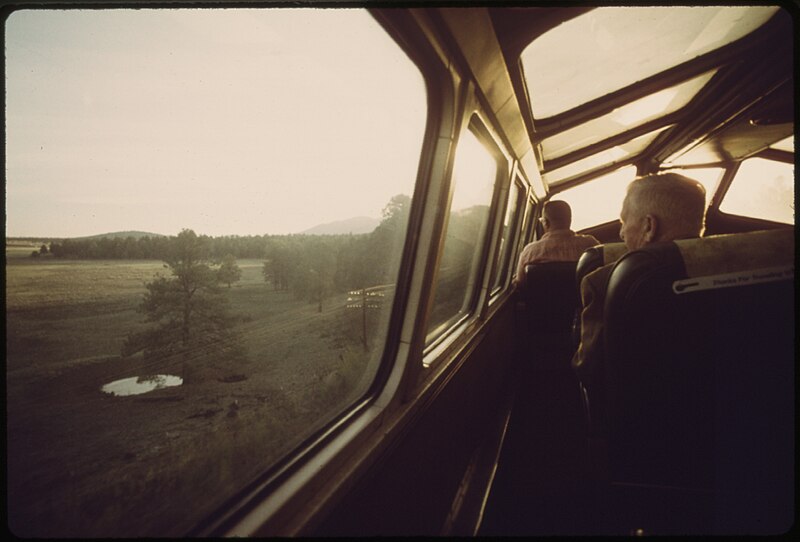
85, 463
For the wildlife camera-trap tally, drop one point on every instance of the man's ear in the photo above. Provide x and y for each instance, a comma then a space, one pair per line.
651, 228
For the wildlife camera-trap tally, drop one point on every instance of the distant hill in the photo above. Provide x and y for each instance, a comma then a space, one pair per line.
120, 235
359, 224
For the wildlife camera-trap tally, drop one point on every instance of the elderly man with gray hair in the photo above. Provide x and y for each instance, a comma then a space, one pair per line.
661, 207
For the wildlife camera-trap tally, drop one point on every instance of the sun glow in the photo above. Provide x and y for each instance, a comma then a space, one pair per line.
197, 131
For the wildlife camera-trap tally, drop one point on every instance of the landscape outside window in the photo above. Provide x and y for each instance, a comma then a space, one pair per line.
203, 237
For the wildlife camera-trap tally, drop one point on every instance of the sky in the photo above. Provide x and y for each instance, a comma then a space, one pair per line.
227, 121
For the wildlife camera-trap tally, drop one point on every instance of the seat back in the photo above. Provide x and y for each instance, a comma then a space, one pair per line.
699, 374
597, 256
550, 296
591, 259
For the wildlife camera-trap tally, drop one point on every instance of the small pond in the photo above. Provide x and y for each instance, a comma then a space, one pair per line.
141, 384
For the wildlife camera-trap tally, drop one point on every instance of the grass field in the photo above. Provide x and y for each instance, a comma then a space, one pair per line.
83, 463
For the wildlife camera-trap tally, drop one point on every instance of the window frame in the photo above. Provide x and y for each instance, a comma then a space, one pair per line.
442, 338
501, 278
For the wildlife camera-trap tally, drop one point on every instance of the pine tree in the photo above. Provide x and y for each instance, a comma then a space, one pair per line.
189, 313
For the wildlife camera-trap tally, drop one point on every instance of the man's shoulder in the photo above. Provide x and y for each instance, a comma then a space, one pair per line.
529, 246
588, 238
599, 276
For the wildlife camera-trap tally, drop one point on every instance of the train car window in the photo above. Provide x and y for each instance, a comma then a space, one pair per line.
600, 200
514, 208
604, 158
786, 145
611, 47
625, 117
762, 189
205, 215
474, 174
526, 231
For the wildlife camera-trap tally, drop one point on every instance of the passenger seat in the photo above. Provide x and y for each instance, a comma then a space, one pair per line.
699, 385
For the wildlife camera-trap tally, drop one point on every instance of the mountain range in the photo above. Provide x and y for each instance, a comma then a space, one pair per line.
120, 234
356, 225
359, 224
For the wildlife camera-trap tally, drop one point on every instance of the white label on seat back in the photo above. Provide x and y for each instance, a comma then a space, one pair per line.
729, 280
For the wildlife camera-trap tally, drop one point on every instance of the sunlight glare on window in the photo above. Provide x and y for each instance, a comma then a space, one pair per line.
660, 103
611, 47
762, 189
602, 158
599, 200
474, 175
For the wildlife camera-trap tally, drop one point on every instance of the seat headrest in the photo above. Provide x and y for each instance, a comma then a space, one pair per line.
730, 253
720, 261
598, 256
548, 274
612, 252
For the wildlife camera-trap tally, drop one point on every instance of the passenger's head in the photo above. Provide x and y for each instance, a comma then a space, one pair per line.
662, 207
556, 215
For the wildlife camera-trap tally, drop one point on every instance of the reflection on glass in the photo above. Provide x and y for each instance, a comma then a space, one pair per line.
624, 118
160, 166
762, 189
599, 200
137, 385
609, 48
603, 158
474, 175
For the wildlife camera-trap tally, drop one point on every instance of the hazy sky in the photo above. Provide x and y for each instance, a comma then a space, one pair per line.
223, 121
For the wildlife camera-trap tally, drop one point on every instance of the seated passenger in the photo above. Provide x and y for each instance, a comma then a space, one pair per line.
558, 244
662, 207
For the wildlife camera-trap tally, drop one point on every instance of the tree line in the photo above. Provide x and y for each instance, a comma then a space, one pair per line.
188, 313
289, 252
156, 248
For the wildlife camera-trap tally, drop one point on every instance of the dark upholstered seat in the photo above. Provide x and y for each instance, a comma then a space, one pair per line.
550, 297
592, 259
699, 383
597, 256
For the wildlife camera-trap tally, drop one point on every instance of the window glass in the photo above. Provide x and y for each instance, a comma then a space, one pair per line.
204, 231
525, 230
603, 158
762, 189
624, 118
612, 47
474, 175
599, 200
504, 254
784, 144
